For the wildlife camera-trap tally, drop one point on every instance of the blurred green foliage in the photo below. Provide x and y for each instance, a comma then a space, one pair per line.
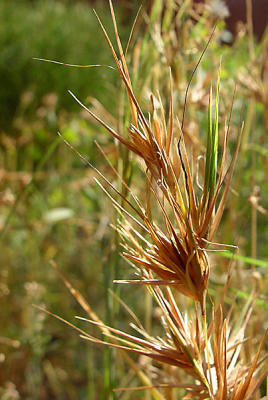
51, 30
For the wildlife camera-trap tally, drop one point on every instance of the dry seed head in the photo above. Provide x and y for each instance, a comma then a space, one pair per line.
175, 251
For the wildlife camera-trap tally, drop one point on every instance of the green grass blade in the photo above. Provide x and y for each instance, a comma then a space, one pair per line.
239, 294
247, 260
212, 146
215, 135
208, 151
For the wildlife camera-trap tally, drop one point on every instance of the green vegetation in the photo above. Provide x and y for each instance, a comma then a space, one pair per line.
51, 208
56, 31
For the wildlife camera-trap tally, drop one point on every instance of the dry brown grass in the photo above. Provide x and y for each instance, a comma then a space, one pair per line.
166, 239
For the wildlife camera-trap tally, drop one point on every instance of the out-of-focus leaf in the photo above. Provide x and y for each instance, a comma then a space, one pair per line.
247, 260
58, 214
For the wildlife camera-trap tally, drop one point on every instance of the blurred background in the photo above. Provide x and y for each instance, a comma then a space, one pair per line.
50, 207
